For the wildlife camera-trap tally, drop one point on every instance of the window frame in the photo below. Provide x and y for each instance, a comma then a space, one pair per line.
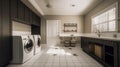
115, 5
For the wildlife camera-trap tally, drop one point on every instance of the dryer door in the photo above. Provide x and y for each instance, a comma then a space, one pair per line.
28, 46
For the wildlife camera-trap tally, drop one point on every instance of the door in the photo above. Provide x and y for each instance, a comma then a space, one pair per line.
53, 32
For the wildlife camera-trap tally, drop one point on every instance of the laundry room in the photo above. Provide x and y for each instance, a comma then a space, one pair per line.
60, 33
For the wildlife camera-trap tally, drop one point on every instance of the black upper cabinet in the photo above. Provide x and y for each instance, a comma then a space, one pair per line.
35, 20
21, 11
27, 14
14, 9
38, 20
31, 13
35, 30
35, 27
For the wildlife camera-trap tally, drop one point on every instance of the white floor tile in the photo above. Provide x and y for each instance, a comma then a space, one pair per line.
63, 58
70, 64
78, 65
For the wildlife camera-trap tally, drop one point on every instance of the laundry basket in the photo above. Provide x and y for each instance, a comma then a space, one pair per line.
73, 42
66, 43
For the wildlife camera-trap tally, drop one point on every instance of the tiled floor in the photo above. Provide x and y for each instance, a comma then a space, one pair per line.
60, 57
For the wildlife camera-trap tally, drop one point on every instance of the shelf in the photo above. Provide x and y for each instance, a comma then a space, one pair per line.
70, 27
70, 30
70, 24
109, 54
109, 60
109, 49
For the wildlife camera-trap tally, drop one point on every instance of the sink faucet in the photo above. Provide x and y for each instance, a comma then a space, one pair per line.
115, 35
72, 35
98, 33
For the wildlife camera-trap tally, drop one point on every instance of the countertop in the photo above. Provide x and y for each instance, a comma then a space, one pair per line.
103, 37
70, 35
91, 36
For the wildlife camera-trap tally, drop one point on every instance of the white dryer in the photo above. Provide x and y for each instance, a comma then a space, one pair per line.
23, 49
37, 47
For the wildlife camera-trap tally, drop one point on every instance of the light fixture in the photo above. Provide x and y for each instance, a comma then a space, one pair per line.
48, 5
73, 5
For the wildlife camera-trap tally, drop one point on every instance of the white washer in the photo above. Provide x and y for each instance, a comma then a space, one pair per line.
32, 38
37, 47
23, 49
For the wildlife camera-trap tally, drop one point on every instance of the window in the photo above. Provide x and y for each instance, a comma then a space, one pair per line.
106, 21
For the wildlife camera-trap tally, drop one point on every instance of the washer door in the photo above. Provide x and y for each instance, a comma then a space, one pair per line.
38, 42
28, 45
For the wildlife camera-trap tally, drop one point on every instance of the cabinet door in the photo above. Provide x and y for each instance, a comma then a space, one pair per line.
5, 51
38, 20
35, 19
14, 8
27, 15
35, 30
30, 17
21, 11
40, 25
86, 45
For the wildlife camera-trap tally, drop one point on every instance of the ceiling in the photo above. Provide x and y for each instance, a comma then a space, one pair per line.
64, 7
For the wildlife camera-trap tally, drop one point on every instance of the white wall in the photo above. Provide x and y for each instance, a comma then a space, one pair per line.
64, 19
20, 29
98, 8
68, 19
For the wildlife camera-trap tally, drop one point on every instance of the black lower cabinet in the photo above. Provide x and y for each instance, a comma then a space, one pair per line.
111, 54
5, 34
104, 51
